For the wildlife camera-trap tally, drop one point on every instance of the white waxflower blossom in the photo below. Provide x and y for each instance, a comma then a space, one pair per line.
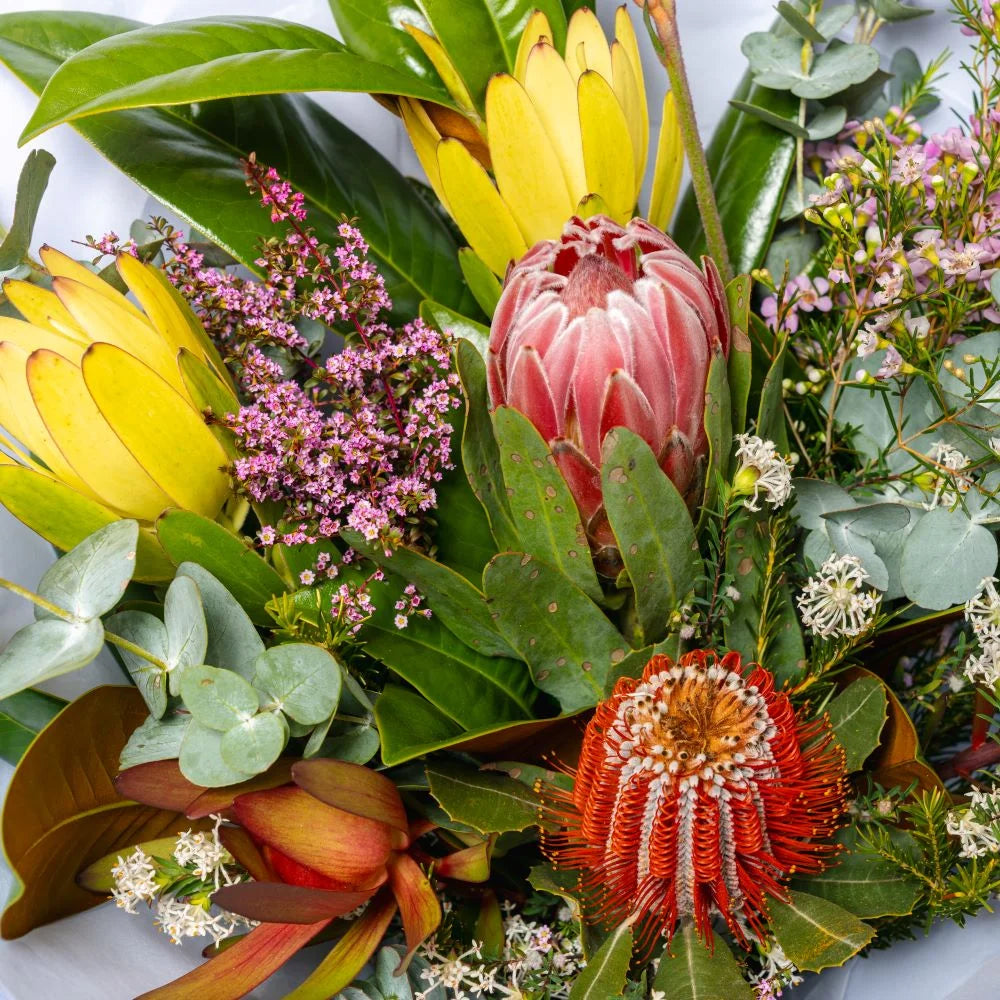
978, 826
982, 611
204, 854
762, 471
135, 880
179, 919
836, 601
948, 485
985, 668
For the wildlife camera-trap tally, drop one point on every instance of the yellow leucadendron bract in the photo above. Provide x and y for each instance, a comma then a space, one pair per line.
99, 411
566, 133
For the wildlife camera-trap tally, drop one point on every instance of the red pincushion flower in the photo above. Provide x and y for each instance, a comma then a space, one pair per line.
698, 791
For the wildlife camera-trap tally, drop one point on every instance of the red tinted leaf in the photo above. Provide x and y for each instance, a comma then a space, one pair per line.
469, 865
418, 903
237, 970
240, 845
275, 902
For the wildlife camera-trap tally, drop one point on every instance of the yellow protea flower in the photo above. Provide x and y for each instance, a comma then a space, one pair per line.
98, 410
563, 134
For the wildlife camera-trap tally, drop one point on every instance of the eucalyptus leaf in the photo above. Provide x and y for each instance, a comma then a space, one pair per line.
815, 497
893, 10
830, 20
776, 62
304, 681
31, 186
217, 699
155, 739
827, 122
799, 23
186, 631
46, 649
201, 758
91, 578
254, 744
357, 745
147, 632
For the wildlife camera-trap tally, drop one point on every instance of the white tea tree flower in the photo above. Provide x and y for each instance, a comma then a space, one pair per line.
762, 472
948, 483
978, 826
837, 602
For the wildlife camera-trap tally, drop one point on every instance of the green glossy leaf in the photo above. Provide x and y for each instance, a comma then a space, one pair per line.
815, 933
188, 158
740, 358
483, 283
718, 421
207, 59
22, 717
771, 414
31, 186
46, 649
863, 883
566, 640
945, 557
155, 739
448, 321
186, 631
218, 699
304, 681
690, 970
90, 579
486, 801
254, 744
233, 642
750, 163
605, 974
409, 725
459, 604
147, 632
543, 509
480, 454
201, 758
653, 528
189, 537
857, 716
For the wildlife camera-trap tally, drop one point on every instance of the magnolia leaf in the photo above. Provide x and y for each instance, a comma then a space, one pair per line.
91, 578
605, 973
218, 699
233, 642
22, 717
857, 716
690, 970
254, 744
945, 558
486, 801
31, 186
62, 812
186, 631
47, 649
155, 739
303, 680
815, 933
147, 632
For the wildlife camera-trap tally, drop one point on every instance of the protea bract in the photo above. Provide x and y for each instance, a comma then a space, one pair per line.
610, 326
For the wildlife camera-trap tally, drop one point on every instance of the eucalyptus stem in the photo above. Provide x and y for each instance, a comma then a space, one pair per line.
663, 14
123, 643
30, 595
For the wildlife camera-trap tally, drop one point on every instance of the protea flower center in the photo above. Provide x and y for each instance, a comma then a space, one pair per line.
609, 327
698, 792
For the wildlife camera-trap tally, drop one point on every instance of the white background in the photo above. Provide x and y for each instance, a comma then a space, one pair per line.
105, 955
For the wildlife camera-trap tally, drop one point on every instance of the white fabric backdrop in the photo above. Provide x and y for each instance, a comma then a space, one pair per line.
104, 955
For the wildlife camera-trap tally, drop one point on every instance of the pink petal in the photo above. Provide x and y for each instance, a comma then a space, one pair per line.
528, 391
582, 477
626, 406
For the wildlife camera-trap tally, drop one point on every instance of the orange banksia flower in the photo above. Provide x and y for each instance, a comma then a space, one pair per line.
698, 792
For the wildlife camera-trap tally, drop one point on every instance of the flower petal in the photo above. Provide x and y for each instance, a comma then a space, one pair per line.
418, 903
275, 902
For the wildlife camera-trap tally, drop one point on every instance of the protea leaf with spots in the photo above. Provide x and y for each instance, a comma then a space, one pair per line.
699, 791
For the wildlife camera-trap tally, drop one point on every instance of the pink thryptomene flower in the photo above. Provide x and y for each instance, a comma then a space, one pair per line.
610, 327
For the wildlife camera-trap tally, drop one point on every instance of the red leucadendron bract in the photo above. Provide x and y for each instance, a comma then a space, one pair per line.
607, 327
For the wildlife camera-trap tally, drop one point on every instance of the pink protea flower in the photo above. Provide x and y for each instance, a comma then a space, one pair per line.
610, 327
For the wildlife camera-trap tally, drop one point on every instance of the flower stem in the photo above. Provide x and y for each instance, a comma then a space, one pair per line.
663, 14
29, 595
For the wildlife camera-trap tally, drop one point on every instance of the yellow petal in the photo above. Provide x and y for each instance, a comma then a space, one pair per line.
162, 311
607, 146
425, 138
20, 417
525, 163
536, 30
625, 34
42, 307
476, 205
30, 338
627, 92
450, 77
61, 266
163, 431
550, 85
105, 321
87, 442
586, 46
669, 166
65, 518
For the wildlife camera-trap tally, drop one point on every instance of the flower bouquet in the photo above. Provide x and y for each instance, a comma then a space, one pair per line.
520, 587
